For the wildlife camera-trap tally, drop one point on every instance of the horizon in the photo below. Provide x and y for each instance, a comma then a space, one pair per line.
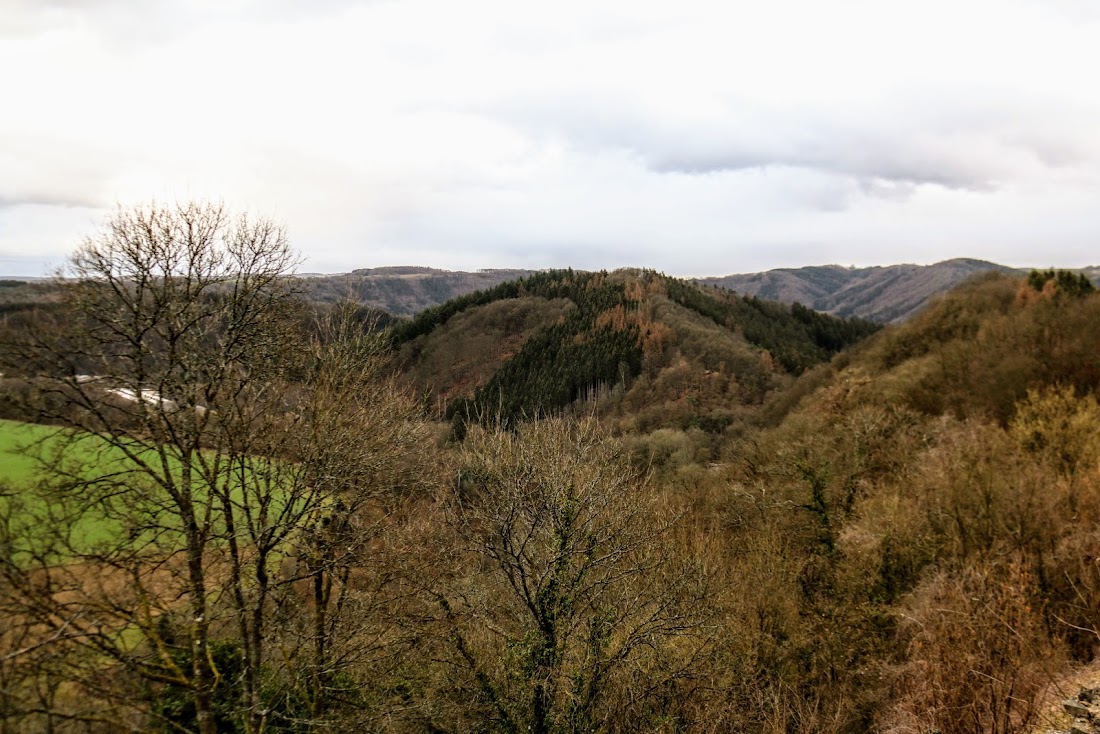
312, 273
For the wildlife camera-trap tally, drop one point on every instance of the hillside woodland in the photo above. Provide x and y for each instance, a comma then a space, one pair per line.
643, 350
598, 502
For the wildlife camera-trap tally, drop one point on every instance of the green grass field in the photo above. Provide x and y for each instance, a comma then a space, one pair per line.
15, 466
29, 512
24, 508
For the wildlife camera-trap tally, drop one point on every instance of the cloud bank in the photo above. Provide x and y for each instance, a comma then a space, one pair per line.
698, 138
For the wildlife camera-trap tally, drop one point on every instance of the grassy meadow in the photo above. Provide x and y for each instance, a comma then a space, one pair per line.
24, 507
29, 509
16, 466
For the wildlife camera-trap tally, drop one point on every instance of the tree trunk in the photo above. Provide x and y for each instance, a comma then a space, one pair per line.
201, 669
200, 650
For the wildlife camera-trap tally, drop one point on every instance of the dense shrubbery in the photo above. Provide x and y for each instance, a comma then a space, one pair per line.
949, 538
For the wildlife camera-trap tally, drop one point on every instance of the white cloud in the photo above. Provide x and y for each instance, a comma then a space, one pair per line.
696, 137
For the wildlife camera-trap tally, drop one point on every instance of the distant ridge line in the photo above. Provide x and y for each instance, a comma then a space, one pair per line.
882, 293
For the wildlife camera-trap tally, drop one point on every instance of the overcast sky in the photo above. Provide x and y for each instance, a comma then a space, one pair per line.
695, 137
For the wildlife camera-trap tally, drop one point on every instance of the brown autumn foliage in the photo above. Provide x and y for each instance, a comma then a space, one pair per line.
904, 540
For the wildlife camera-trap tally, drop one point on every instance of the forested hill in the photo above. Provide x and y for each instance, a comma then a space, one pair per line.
937, 489
884, 294
641, 344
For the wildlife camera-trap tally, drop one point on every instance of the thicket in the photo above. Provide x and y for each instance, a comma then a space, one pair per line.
951, 541
979, 349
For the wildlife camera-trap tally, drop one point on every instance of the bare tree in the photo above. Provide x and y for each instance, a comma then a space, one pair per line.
573, 614
363, 442
206, 436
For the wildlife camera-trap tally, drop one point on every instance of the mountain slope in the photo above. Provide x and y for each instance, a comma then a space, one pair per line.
632, 341
939, 486
884, 294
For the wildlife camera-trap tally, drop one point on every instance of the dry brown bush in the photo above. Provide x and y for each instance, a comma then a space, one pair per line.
978, 658
569, 607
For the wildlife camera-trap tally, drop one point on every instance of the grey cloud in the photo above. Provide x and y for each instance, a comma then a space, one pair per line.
1059, 148
862, 156
41, 198
956, 147
45, 170
893, 190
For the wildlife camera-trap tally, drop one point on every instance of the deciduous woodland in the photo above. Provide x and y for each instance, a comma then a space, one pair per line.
573, 502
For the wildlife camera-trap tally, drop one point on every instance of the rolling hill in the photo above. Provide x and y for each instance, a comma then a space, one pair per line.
402, 290
883, 294
879, 529
641, 346
888, 294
